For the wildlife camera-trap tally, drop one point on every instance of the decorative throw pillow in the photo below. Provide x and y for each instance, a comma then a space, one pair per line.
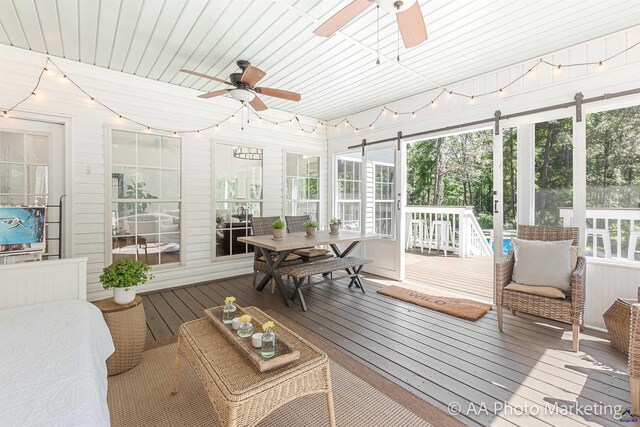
539, 263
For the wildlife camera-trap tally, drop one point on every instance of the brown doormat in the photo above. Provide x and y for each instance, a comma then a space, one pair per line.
459, 307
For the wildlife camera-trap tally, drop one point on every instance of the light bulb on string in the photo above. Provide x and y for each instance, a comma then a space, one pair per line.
395, 115
346, 122
413, 115
5, 114
501, 92
384, 111
218, 126
433, 104
47, 71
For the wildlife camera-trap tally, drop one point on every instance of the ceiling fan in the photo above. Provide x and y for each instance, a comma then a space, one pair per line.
244, 86
408, 15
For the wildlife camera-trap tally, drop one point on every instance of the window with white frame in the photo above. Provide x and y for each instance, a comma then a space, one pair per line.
348, 192
383, 217
24, 169
238, 183
302, 185
146, 197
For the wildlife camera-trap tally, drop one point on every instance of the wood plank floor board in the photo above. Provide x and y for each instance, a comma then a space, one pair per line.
512, 365
503, 341
198, 295
486, 325
179, 307
196, 307
156, 324
440, 358
168, 314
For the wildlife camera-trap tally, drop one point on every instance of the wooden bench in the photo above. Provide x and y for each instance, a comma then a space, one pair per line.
300, 272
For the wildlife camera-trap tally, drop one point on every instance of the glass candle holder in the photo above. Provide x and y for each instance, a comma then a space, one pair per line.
268, 348
228, 313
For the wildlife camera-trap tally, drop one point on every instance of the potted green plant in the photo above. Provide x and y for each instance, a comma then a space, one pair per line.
277, 227
123, 276
311, 227
334, 225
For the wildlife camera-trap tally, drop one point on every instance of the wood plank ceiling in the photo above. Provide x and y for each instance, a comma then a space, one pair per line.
336, 76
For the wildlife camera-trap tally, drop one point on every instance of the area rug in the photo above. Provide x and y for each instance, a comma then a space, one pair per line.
142, 397
459, 307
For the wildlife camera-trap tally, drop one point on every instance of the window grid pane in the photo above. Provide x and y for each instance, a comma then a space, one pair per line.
146, 196
302, 185
239, 192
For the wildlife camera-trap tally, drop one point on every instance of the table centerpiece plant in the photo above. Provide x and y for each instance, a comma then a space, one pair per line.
123, 276
311, 227
334, 225
277, 227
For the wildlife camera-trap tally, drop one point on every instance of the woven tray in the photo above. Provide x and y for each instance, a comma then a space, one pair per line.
285, 354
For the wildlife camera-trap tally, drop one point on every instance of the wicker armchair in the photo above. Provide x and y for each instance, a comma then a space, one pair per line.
569, 310
634, 357
261, 226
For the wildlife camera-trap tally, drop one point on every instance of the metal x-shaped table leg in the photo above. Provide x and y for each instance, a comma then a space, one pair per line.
272, 266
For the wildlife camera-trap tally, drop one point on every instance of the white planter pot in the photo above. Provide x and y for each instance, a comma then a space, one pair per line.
124, 296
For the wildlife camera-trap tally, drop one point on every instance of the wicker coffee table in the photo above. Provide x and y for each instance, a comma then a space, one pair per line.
242, 395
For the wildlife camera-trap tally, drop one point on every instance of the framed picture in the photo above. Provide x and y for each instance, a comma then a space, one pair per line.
22, 229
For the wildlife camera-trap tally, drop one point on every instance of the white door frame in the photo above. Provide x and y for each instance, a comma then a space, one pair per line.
17, 118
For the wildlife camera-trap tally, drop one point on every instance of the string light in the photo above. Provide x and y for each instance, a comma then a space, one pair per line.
500, 92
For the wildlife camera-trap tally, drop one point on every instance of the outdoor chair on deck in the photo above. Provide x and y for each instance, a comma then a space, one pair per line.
261, 226
566, 308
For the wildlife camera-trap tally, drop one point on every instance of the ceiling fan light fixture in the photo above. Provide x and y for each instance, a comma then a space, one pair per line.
392, 7
242, 95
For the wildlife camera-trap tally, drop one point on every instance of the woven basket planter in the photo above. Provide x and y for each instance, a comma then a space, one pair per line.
617, 319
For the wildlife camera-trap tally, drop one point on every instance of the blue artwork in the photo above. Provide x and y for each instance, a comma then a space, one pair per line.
22, 227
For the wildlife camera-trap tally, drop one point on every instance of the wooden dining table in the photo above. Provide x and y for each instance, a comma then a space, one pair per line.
294, 241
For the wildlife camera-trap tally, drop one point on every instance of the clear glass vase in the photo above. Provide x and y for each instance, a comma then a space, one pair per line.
245, 330
268, 349
228, 313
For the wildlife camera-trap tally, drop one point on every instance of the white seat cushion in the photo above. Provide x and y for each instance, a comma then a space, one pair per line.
543, 291
540, 263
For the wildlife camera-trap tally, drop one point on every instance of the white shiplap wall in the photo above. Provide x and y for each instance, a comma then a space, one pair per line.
162, 105
605, 282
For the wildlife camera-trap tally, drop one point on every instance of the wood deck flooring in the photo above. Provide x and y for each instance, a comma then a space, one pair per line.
440, 358
450, 276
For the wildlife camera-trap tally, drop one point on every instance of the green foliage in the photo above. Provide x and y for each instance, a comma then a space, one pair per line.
125, 273
458, 170
278, 224
335, 221
310, 224
138, 191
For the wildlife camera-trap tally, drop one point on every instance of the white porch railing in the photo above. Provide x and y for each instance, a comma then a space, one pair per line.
612, 228
468, 237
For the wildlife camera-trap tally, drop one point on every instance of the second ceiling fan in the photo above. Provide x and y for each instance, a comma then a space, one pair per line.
245, 88
408, 15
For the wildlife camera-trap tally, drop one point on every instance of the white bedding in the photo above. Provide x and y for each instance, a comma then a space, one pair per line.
52, 365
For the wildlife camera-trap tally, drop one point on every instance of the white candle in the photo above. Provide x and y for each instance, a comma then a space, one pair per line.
235, 323
256, 339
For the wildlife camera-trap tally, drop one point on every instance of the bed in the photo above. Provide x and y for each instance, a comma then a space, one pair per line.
53, 361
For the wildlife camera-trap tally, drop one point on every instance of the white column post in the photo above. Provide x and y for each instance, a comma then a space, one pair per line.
498, 183
526, 174
579, 168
